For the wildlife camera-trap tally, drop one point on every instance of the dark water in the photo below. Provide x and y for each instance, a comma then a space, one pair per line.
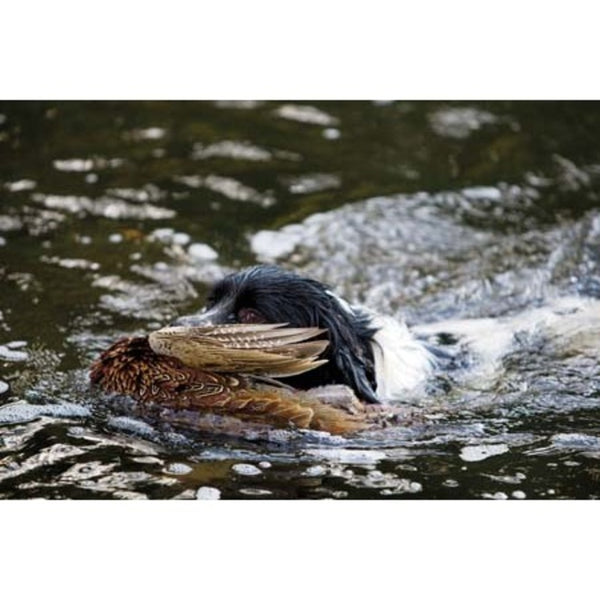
115, 217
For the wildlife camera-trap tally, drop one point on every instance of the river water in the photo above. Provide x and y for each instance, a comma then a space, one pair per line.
115, 217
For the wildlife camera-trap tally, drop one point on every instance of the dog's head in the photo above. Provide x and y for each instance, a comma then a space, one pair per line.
268, 294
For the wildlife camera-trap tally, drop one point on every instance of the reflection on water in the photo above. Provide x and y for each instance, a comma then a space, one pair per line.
116, 217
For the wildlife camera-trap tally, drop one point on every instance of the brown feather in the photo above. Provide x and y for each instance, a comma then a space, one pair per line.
269, 350
131, 367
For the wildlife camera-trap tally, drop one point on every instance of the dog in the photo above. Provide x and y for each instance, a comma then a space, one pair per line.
376, 356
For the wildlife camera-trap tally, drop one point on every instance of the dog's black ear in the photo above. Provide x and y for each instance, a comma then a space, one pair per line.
350, 348
354, 370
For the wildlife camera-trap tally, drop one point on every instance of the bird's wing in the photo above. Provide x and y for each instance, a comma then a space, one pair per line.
271, 350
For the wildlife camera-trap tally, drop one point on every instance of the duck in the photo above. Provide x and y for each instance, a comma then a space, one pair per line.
232, 371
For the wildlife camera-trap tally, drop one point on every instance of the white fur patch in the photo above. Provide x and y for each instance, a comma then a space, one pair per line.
402, 362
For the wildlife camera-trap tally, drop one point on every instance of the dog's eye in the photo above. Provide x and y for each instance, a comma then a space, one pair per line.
250, 315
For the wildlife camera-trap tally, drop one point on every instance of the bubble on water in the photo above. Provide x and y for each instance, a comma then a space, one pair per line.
202, 252
4, 387
2, 241
12, 355
483, 193
181, 238
22, 411
519, 495
83, 165
450, 483
73, 164
162, 234
345, 456
20, 186
233, 189
131, 425
306, 114
115, 238
178, 469
375, 475
265, 464
495, 496
237, 150
208, 493
477, 453
255, 492
70, 263
315, 471
331, 133
239, 104
149, 133
576, 441
271, 245
10, 223
403, 486
510, 479
460, 122
109, 208
315, 182
148, 460
246, 469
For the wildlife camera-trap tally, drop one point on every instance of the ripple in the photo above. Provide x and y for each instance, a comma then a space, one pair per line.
84, 165
20, 186
70, 263
460, 122
103, 207
208, 493
481, 452
236, 150
347, 456
230, 188
21, 411
6, 353
316, 182
246, 470
148, 133
306, 114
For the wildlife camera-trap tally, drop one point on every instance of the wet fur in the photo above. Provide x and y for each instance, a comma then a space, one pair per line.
375, 356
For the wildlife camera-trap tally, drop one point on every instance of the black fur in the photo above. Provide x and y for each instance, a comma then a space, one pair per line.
285, 297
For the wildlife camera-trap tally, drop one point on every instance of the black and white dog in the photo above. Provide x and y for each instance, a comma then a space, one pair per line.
378, 357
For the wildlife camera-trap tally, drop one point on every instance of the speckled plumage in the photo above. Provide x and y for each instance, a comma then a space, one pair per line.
210, 381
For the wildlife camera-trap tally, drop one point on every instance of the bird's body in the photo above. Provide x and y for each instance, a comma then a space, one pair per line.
228, 371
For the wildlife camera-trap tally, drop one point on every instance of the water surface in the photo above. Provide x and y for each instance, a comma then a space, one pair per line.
117, 216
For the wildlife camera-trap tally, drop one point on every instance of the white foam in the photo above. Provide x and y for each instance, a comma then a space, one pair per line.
202, 252
246, 470
22, 412
12, 355
346, 456
208, 493
305, 114
481, 452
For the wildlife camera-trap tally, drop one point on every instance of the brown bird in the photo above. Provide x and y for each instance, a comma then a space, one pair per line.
229, 370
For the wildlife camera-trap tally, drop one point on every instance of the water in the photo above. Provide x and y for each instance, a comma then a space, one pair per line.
117, 216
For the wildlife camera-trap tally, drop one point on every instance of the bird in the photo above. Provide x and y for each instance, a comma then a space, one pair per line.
231, 370
377, 356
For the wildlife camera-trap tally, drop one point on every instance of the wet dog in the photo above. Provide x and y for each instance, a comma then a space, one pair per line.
378, 357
